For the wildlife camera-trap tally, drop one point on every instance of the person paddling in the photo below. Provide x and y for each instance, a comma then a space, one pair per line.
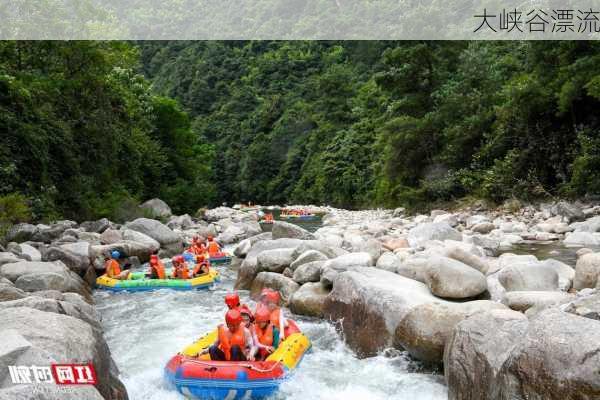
113, 268
157, 268
234, 341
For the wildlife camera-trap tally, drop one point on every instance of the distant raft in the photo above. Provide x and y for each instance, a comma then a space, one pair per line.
202, 378
138, 282
220, 258
294, 217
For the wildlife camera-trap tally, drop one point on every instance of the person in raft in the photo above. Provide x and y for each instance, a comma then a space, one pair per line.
180, 268
202, 265
113, 268
197, 247
232, 300
271, 299
265, 335
157, 268
234, 341
212, 246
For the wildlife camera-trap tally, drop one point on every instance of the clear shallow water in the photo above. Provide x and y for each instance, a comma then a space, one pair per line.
144, 330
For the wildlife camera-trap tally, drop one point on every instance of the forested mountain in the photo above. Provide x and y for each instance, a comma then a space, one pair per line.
90, 127
387, 123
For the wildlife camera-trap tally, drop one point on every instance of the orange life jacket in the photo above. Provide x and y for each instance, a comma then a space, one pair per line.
182, 272
213, 248
160, 270
112, 268
201, 267
275, 314
227, 340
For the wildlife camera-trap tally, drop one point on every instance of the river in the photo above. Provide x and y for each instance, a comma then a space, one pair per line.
144, 330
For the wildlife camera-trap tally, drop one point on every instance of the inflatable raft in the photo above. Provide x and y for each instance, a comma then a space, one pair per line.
201, 378
308, 217
138, 282
220, 258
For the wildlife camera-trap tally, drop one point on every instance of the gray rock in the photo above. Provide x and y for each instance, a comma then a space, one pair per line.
28, 252
587, 271
449, 278
522, 301
111, 236
472, 361
156, 208
483, 227
413, 268
20, 233
284, 285
13, 271
135, 236
98, 226
283, 229
557, 358
389, 262
328, 275
127, 248
33, 337
322, 247
423, 233
426, 328
63, 282
75, 256
87, 313
275, 260
50, 233
567, 210
309, 272
8, 257
218, 213
566, 273
9, 292
533, 277
180, 222
349, 261
581, 238
245, 245
467, 258
168, 239
306, 257
309, 300
587, 306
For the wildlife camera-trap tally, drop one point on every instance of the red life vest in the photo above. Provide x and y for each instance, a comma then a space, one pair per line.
227, 340
159, 268
213, 248
112, 268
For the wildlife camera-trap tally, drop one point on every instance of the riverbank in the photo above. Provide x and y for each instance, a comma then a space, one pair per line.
430, 285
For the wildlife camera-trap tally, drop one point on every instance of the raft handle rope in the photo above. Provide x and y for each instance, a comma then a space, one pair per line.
212, 368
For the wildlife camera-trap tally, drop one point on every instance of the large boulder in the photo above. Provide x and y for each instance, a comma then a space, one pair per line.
389, 262
452, 279
350, 261
76, 256
565, 272
98, 226
320, 246
180, 222
413, 268
283, 229
8, 291
28, 252
20, 233
218, 213
47, 234
528, 277
587, 271
284, 285
127, 248
472, 359
135, 236
309, 300
156, 208
569, 211
309, 272
523, 301
33, 337
306, 257
248, 269
557, 358
423, 233
13, 271
426, 328
275, 260
111, 236
585, 306
245, 245
8, 257
65, 281
169, 240
582, 239
374, 298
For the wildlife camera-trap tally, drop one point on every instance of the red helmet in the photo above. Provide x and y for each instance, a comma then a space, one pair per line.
232, 300
177, 259
153, 259
209, 237
262, 315
273, 296
233, 317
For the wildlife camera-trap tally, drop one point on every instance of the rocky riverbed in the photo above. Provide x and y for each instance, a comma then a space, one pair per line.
445, 287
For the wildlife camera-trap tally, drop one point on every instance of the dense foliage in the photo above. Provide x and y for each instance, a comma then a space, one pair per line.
90, 129
83, 136
386, 123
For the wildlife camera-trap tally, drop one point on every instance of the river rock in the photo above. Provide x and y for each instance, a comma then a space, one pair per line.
135, 236
306, 257
569, 211
248, 269
309, 272
275, 260
218, 213
566, 273
75, 256
98, 226
63, 282
349, 261
156, 208
7, 257
449, 278
13, 271
389, 262
587, 271
8, 291
327, 277
309, 300
180, 222
528, 277
483, 227
472, 361
374, 298
283, 229
20, 233
284, 285
328, 250
47, 234
557, 357
589, 225
169, 240
432, 231
245, 245
396, 243
524, 300
581, 238
467, 258
28, 252
425, 329
586, 306
33, 337
449, 219
87, 314
111, 236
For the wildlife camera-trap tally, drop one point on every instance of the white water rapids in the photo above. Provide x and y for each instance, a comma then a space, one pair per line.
144, 330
